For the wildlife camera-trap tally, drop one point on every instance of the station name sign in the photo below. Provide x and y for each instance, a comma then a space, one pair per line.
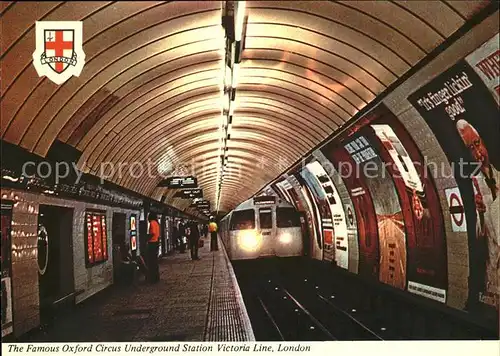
189, 193
200, 204
179, 182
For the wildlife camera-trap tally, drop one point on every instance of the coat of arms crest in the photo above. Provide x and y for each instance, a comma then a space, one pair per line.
59, 50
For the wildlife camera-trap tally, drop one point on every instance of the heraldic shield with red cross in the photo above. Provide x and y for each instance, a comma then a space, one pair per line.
59, 49
59, 53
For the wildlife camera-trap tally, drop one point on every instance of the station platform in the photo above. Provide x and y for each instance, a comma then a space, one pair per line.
194, 301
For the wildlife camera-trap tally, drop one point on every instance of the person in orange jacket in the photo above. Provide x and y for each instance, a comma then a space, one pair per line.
152, 249
212, 228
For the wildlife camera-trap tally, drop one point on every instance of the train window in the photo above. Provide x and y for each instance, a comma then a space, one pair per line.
266, 218
287, 217
243, 220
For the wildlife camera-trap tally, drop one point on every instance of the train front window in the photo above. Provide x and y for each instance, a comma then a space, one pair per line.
287, 217
266, 218
243, 220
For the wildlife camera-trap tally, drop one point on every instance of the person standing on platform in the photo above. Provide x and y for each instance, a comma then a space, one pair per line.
153, 245
194, 238
212, 228
182, 237
175, 235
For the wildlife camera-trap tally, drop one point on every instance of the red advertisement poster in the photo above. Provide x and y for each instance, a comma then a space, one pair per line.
133, 233
423, 218
96, 237
96, 226
390, 224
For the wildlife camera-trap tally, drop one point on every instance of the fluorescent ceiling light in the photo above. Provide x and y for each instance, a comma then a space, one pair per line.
227, 76
236, 72
225, 104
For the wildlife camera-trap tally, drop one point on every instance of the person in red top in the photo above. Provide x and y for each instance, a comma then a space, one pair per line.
152, 252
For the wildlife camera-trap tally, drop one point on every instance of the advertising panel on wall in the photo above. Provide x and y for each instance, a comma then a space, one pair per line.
486, 62
279, 190
329, 192
6, 221
95, 237
363, 210
349, 218
133, 233
391, 226
427, 256
283, 187
301, 190
463, 114
323, 213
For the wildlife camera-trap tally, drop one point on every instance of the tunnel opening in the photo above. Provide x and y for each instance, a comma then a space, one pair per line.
120, 248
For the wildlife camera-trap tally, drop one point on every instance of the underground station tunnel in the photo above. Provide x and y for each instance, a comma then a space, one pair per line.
250, 171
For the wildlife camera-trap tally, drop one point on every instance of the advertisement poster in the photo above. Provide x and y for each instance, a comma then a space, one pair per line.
363, 212
96, 237
391, 226
299, 184
280, 190
282, 187
133, 232
337, 212
463, 114
323, 210
347, 215
423, 218
486, 62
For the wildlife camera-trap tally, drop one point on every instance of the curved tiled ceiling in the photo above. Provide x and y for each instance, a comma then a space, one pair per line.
150, 90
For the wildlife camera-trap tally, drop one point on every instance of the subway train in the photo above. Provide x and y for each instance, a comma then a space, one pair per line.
264, 226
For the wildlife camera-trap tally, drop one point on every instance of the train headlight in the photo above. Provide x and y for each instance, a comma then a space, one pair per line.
249, 240
285, 238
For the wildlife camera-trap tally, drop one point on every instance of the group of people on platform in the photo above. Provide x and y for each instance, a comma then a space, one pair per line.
186, 234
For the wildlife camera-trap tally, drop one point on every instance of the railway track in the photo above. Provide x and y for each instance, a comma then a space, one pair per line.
294, 301
291, 314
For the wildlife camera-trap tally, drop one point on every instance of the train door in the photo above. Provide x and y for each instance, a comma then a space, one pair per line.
267, 230
118, 239
7, 324
55, 259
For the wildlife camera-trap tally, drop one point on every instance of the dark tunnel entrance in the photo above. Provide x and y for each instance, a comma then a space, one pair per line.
55, 259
